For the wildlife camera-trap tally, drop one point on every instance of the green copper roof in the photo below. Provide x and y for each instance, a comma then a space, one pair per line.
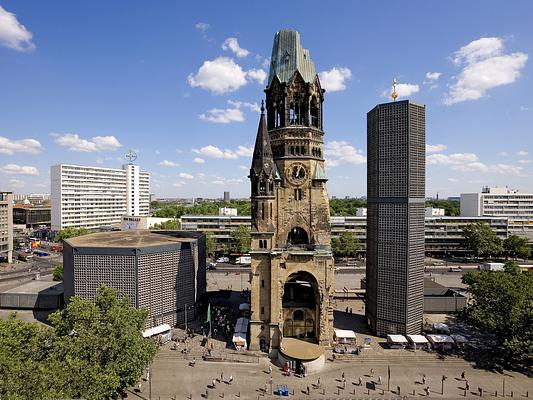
319, 173
289, 56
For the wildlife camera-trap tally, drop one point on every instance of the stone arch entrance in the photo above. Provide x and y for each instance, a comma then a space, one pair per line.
300, 308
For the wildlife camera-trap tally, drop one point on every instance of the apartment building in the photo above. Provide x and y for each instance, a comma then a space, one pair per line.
96, 197
6, 225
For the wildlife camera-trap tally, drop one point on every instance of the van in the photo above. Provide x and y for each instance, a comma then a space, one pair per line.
223, 260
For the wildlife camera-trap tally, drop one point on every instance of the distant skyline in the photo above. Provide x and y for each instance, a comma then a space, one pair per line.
181, 84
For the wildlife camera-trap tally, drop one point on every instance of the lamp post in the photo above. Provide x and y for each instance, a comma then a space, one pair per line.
444, 377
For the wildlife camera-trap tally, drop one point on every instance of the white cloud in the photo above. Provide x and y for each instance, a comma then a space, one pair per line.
157, 152
433, 76
16, 183
451, 159
240, 104
202, 26
219, 76
244, 167
167, 163
484, 67
453, 180
185, 175
335, 79
214, 152
179, 184
522, 153
503, 153
524, 108
342, 152
14, 169
258, 75
435, 148
525, 161
469, 162
403, 90
223, 116
198, 160
232, 44
221, 180
74, 142
13, 34
8, 146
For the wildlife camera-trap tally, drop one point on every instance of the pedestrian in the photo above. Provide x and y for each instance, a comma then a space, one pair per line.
467, 386
398, 390
265, 387
379, 380
318, 382
351, 310
343, 383
221, 376
193, 361
346, 310
270, 369
230, 379
140, 388
424, 379
342, 375
427, 391
463, 375
360, 381
214, 382
480, 391
371, 371
308, 390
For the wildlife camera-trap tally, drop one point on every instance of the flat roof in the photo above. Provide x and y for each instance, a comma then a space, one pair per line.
37, 287
127, 239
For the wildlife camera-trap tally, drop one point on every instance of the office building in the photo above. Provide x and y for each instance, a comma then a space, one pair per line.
6, 226
395, 218
502, 202
32, 198
161, 271
227, 196
95, 197
28, 216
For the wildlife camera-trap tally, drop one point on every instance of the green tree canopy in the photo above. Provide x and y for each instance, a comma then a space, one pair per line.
451, 207
346, 245
172, 225
175, 210
241, 239
70, 232
503, 305
210, 243
482, 240
95, 350
58, 272
345, 207
517, 246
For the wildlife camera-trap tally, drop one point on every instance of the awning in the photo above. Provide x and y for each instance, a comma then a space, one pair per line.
418, 339
397, 338
344, 334
156, 330
436, 339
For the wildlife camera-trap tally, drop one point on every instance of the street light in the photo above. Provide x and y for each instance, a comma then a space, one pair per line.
444, 377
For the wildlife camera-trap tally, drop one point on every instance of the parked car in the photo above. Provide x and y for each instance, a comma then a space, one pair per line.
455, 269
212, 265
223, 260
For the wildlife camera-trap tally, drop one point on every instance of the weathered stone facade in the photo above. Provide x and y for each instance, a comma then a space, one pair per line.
292, 264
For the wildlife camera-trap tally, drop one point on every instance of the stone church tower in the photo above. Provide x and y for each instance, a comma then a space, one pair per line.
292, 263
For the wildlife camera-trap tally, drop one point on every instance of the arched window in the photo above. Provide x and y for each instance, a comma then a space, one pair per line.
314, 112
297, 236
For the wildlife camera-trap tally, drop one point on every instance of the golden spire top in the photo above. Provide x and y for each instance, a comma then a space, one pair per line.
394, 94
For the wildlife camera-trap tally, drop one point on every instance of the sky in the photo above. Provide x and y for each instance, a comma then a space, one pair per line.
181, 84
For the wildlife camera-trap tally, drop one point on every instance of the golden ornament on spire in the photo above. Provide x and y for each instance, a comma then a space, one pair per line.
394, 94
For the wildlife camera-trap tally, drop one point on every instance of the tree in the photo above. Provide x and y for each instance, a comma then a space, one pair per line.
451, 207
16, 243
346, 245
70, 232
241, 239
482, 240
171, 225
210, 243
94, 350
502, 306
517, 246
58, 272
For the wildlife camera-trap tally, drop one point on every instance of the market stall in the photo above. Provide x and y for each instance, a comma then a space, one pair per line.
396, 341
417, 342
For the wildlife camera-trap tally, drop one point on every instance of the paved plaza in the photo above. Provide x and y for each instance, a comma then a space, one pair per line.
174, 376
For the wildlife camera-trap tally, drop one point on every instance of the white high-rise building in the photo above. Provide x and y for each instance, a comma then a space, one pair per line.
6, 225
96, 197
501, 202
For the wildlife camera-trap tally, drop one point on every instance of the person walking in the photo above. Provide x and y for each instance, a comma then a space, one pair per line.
342, 376
270, 369
214, 382
427, 391
424, 379
343, 383
221, 376
360, 381
467, 386
463, 375
371, 371
318, 382
379, 380
230, 379
308, 390
140, 388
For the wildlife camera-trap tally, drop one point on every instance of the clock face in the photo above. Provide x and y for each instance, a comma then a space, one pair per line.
297, 173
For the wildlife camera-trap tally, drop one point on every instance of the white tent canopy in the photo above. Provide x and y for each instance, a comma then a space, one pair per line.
437, 339
397, 338
156, 330
417, 339
344, 334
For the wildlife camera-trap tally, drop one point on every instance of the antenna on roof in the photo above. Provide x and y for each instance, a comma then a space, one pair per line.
394, 94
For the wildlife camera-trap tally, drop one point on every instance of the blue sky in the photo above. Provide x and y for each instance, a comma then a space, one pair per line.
82, 82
